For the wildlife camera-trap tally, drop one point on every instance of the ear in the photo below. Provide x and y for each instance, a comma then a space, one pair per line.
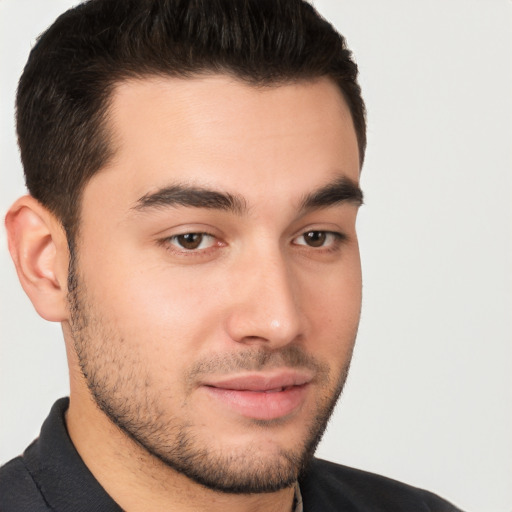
38, 247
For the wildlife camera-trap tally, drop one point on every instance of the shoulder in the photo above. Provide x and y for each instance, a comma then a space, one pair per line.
328, 486
18, 491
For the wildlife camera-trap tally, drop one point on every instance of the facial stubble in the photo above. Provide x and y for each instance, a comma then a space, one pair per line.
121, 387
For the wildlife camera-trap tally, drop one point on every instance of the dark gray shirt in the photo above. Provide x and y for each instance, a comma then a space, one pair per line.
51, 477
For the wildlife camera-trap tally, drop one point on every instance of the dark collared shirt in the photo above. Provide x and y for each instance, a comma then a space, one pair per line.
51, 477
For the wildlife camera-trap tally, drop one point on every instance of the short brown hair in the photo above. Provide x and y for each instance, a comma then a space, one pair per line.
64, 92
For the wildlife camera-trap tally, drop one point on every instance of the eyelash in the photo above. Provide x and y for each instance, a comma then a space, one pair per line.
171, 243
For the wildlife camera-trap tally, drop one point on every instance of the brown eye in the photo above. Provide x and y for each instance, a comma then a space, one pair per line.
318, 239
192, 241
315, 238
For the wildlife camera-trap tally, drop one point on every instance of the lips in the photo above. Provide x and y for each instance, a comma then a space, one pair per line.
263, 396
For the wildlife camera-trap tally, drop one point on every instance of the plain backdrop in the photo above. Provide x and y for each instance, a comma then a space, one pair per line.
429, 396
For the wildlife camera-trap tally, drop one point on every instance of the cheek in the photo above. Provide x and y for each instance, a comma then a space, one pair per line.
163, 311
334, 308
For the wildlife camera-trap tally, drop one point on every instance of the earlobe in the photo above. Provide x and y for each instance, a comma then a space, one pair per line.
38, 247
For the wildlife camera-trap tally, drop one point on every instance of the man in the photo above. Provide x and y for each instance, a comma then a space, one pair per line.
193, 170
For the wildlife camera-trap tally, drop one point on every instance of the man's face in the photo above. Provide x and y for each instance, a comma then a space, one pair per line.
217, 280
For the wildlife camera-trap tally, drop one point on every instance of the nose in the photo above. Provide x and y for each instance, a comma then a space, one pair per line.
265, 302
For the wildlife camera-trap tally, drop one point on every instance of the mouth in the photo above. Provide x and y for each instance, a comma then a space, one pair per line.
261, 396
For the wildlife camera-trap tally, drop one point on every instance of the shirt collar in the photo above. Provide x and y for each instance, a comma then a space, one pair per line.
297, 500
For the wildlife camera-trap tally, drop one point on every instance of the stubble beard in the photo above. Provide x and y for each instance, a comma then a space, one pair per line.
121, 388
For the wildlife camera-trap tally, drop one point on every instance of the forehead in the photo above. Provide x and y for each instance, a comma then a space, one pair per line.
220, 132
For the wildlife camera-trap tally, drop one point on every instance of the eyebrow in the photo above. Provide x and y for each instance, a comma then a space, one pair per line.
192, 196
342, 190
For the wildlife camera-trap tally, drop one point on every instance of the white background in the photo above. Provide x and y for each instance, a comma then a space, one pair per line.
429, 396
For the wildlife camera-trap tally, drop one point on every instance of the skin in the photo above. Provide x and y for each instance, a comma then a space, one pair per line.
152, 324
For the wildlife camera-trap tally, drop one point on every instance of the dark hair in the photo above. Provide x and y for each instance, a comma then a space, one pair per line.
64, 92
